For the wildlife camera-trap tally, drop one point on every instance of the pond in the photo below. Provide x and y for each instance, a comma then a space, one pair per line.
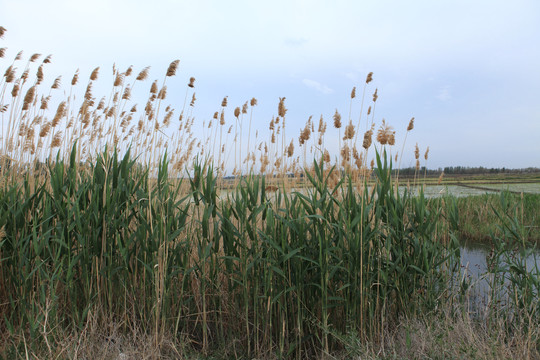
479, 282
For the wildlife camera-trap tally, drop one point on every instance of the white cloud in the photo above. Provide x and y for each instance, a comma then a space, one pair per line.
317, 86
444, 94
296, 42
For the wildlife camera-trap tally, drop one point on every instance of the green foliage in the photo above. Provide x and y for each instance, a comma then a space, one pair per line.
286, 271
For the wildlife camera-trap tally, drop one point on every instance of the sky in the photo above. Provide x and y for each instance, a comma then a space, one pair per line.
468, 71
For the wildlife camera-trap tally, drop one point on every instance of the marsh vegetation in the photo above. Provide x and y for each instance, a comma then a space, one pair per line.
119, 236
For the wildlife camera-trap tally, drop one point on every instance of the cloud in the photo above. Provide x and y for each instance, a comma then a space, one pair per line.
444, 94
295, 42
317, 86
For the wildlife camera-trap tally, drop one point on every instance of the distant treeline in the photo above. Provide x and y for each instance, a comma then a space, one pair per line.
465, 170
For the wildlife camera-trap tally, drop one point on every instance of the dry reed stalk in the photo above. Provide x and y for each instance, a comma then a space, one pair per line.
409, 128
252, 103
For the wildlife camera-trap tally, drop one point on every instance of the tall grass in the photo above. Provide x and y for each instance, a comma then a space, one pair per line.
272, 271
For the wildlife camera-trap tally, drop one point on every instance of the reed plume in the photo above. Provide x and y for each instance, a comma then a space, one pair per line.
367, 138
56, 83
34, 57
143, 75
411, 124
171, 71
281, 107
39, 75
75, 78
369, 77
29, 98
384, 133
94, 74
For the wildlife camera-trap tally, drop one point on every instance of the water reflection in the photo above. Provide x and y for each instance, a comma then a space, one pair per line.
475, 282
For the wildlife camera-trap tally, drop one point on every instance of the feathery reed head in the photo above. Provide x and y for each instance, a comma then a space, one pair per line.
127, 94
281, 107
375, 96
34, 57
143, 75
384, 133
305, 134
129, 71
244, 108
45, 130
29, 98
2, 31
162, 93
290, 149
101, 104
191, 82
369, 77
224, 102
15, 90
119, 79
193, 98
345, 153
94, 74
411, 124
416, 152
253, 102
47, 60
171, 71
2, 52
75, 78
353, 92
88, 93
349, 131
237, 112
154, 88
392, 138
57, 140
426, 154
24, 75
10, 74
222, 118
322, 125
367, 138
44, 103
337, 120
39, 75
326, 156
56, 83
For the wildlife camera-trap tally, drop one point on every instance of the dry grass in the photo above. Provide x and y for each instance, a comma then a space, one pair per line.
39, 123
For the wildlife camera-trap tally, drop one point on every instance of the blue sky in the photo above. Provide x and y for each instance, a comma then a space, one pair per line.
466, 70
